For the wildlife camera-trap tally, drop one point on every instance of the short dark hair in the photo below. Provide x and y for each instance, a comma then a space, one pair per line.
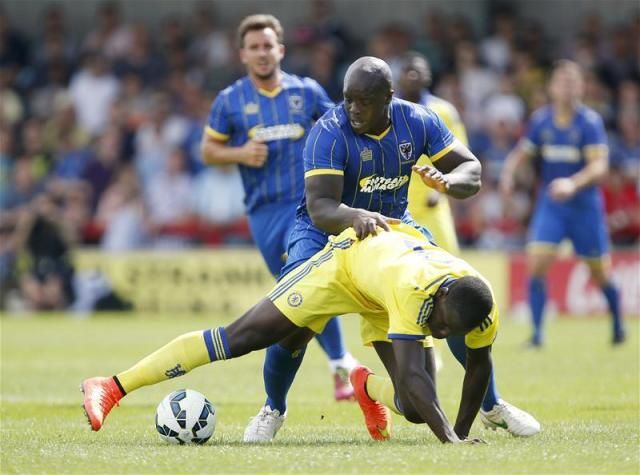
471, 300
259, 22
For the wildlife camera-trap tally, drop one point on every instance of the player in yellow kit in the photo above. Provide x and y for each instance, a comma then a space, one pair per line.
431, 209
407, 288
428, 207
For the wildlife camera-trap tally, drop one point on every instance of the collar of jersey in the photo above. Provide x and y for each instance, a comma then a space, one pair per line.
272, 93
381, 136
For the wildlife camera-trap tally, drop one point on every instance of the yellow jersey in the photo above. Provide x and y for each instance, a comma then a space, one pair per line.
389, 279
436, 219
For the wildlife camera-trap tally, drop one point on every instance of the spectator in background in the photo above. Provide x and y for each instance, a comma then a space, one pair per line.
35, 149
625, 146
23, 187
477, 84
211, 44
42, 234
14, 46
141, 59
12, 110
169, 204
163, 132
93, 90
622, 205
504, 113
121, 213
7, 157
217, 195
103, 164
62, 125
496, 49
110, 36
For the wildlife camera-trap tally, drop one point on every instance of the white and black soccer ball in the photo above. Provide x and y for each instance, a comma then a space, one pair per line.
185, 417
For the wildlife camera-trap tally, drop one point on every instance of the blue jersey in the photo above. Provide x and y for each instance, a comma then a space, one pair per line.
562, 148
282, 119
376, 169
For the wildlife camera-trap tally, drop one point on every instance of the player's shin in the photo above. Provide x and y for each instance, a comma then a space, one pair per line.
381, 389
176, 358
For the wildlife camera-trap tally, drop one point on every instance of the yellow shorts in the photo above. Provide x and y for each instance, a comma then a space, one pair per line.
317, 291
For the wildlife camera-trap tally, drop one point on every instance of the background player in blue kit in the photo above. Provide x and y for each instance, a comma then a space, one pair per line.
571, 141
260, 123
358, 159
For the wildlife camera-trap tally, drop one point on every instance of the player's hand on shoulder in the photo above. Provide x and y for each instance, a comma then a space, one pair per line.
366, 223
561, 189
433, 178
254, 153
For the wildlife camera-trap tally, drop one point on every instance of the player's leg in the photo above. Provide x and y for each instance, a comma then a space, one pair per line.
377, 394
548, 228
259, 327
591, 242
601, 275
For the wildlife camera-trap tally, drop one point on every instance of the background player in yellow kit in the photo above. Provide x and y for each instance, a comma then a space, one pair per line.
406, 287
428, 207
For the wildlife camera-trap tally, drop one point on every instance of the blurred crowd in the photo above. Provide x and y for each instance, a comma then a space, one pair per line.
99, 135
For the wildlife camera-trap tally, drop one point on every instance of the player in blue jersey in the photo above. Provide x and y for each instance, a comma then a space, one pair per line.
358, 160
570, 139
260, 123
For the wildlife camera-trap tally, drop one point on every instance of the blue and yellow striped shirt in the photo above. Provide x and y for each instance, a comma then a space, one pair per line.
282, 119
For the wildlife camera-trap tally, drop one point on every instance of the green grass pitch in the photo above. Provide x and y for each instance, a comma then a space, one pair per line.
584, 392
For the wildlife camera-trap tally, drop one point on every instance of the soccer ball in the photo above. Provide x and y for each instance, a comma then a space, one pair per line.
185, 417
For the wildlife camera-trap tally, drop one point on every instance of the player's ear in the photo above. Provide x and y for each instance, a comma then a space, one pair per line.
390, 96
442, 292
283, 50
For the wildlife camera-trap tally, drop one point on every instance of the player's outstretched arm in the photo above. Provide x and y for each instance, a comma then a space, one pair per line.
417, 391
476, 380
323, 194
457, 173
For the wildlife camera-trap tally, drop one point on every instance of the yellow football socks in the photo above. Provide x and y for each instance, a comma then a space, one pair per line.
381, 389
176, 358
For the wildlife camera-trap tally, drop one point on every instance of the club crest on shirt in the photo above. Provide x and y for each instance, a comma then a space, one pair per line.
295, 103
294, 299
406, 150
251, 108
366, 154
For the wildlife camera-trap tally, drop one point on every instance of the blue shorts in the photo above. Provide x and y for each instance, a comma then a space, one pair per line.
584, 226
306, 240
270, 226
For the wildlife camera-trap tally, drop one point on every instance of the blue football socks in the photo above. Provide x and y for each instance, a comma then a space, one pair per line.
537, 298
613, 300
280, 368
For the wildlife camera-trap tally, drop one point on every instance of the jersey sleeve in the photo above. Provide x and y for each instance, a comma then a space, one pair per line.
321, 101
218, 125
438, 138
324, 152
486, 333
